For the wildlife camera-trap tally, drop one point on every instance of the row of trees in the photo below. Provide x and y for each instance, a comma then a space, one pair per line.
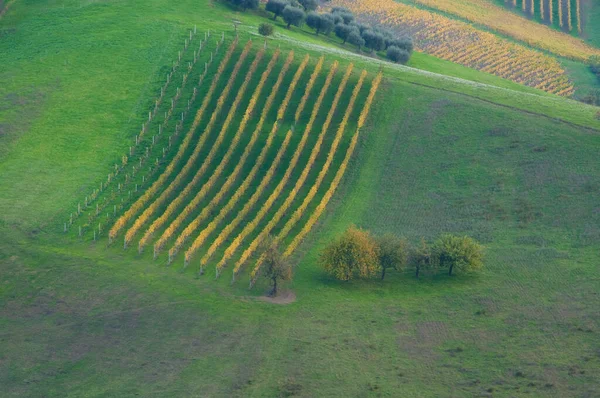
342, 23
359, 254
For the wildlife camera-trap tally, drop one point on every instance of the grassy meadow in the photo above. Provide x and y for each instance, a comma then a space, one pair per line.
445, 149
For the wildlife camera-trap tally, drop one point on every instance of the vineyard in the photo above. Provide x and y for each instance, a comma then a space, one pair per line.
564, 14
259, 154
525, 30
464, 44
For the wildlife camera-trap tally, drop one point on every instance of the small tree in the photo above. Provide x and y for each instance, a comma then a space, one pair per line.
460, 252
355, 38
422, 257
353, 255
308, 5
293, 16
397, 55
346, 16
276, 7
266, 29
393, 253
275, 267
403, 43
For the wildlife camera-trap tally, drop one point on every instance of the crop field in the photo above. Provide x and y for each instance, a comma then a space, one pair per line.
462, 43
525, 30
195, 200
147, 148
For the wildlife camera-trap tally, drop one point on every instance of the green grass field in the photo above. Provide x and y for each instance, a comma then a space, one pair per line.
445, 149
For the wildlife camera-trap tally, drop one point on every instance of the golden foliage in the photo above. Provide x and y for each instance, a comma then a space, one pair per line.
353, 255
462, 43
200, 173
141, 202
199, 241
150, 210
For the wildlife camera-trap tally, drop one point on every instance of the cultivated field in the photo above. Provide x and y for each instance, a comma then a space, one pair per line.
181, 142
525, 30
462, 43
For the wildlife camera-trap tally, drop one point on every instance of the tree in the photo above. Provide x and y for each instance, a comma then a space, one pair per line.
276, 7
460, 252
422, 257
353, 255
373, 40
404, 43
266, 29
346, 16
355, 38
321, 23
360, 26
398, 55
343, 31
246, 4
293, 16
392, 252
308, 5
275, 267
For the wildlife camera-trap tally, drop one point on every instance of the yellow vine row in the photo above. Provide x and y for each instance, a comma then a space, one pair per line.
266, 180
313, 156
233, 176
142, 200
168, 233
159, 222
150, 210
240, 191
231, 179
264, 209
578, 12
334, 184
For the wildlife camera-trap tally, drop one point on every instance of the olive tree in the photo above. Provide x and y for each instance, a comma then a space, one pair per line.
276, 7
398, 55
355, 38
293, 16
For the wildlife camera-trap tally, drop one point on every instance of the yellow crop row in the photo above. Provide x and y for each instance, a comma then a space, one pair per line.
240, 165
150, 210
279, 188
224, 162
205, 164
199, 241
503, 21
300, 182
142, 200
462, 43
334, 184
269, 175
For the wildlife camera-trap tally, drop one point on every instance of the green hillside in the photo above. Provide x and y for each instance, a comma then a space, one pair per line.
444, 149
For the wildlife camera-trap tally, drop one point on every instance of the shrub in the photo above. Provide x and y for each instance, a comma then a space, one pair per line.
293, 16
398, 55
353, 255
266, 29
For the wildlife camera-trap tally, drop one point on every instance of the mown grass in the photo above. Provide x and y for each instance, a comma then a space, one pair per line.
81, 319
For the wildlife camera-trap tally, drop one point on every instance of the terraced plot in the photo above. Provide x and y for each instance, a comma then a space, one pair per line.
268, 146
